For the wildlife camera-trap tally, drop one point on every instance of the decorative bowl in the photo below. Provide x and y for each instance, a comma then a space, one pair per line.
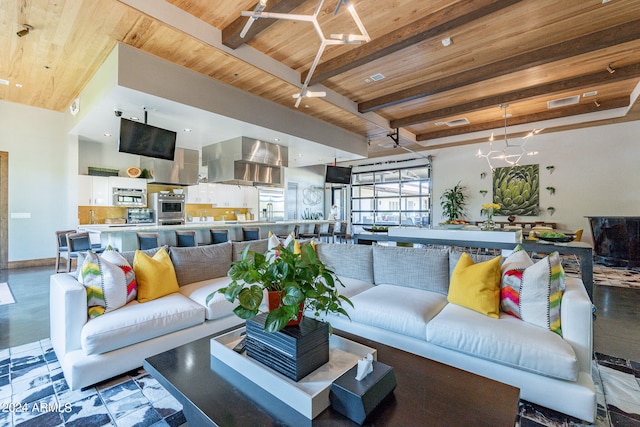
178, 191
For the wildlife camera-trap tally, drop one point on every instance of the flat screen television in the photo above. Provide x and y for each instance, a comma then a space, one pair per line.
146, 140
338, 175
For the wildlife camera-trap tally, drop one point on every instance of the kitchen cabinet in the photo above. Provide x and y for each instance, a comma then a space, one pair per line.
223, 195
94, 191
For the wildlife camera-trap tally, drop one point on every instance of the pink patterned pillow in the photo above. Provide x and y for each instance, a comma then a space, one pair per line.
533, 291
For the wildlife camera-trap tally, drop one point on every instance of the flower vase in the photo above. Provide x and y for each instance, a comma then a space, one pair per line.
488, 225
274, 302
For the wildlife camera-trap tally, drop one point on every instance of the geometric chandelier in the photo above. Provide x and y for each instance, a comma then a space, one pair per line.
506, 152
335, 39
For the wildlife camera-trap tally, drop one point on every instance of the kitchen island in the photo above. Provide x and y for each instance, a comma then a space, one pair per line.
123, 236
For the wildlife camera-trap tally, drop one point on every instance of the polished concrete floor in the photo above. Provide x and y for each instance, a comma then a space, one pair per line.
616, 328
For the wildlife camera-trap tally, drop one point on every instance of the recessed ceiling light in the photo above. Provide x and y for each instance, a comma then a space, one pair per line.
107, 134
187, 130
4, 82
276, 139
446, 42
134, 118
18, 85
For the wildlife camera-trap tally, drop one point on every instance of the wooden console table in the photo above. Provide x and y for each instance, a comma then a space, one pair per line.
581, 249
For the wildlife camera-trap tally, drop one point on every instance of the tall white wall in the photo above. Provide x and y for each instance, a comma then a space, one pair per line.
597, 172
37, 143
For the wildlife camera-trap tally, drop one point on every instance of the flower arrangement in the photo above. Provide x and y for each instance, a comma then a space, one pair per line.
490, 208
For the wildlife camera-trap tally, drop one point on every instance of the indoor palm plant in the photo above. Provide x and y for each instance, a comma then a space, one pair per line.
453, 202
299, 278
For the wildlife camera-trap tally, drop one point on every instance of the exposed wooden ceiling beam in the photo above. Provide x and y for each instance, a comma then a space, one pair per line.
595, 41
530, 118
581, 82
231, 33
433, 25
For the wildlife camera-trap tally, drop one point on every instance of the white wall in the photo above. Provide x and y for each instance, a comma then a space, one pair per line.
101, 155
37, 143
597, 172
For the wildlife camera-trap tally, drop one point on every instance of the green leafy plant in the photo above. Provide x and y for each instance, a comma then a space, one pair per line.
298, 277
453, 202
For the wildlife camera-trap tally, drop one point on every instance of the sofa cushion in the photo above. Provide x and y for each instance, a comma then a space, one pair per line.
352, 286
354, 261
533, 292
218, 306
396, 308
195, 264
259, 246
506, 341
155, 275
426, 269
136, 322
476, 286
106, 284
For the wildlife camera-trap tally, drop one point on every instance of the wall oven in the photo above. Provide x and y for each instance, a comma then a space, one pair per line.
169, 208
130, 197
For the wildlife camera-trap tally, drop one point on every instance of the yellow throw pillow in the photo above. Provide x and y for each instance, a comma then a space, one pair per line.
156, 276
476, 286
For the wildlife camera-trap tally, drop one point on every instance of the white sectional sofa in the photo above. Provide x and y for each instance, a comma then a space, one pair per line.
400, 299
93, 350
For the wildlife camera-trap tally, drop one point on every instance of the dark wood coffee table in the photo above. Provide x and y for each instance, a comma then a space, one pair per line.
428, 393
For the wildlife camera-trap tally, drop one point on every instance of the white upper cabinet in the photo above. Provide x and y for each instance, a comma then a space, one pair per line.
94, 191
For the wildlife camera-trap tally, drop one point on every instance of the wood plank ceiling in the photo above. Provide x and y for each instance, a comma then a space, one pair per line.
523, 53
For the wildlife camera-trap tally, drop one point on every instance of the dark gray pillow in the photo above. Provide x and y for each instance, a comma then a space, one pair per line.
194, 264
412, 267
354, 261
259, 246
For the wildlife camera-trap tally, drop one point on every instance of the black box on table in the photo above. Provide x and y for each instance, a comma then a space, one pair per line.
295, 351
357, 399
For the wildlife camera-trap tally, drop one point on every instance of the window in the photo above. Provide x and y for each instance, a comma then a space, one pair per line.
391, 197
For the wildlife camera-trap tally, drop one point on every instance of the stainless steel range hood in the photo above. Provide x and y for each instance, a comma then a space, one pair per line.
245, 161
183, 170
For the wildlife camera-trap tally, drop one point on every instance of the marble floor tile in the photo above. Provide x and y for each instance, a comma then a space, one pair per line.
122, 408
143, 417
621, 390
87, 412
25, 350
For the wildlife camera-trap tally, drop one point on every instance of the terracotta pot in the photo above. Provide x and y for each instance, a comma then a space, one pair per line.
274, 302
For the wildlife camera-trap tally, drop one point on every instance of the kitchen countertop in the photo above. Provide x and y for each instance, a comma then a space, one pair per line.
117, 228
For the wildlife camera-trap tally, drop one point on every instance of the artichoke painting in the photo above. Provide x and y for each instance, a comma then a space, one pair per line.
516, 189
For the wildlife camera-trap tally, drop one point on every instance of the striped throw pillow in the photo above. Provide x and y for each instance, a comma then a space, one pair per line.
108, 287
533, 291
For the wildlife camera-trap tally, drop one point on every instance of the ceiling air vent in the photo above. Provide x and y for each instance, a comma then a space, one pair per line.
563, 102
377, 77
457, 122
4, 82
592, 93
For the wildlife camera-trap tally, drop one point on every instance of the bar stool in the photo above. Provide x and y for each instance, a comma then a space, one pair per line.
329, 234
342, 233
250, 233
296, 233
62, 247
219, 236
78, 243
316, 233
148, 240
186, 238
